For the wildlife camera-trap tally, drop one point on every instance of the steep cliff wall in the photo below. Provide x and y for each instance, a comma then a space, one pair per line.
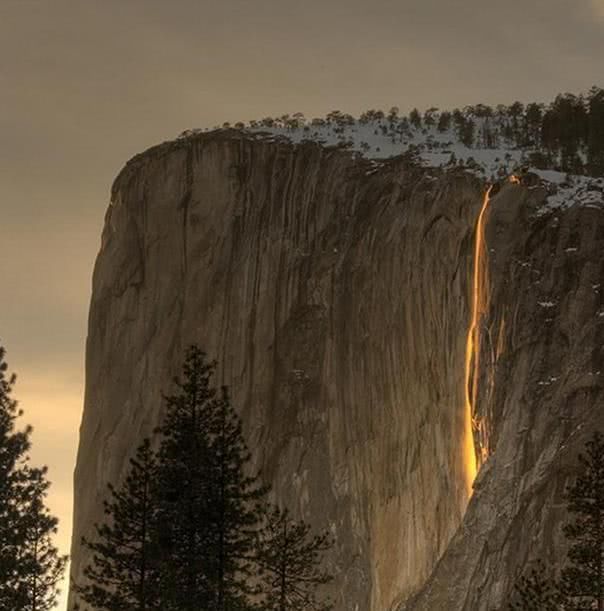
540, 393
335, 293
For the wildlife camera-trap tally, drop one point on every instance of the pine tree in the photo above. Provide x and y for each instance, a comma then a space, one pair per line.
209, 502
583, 579
415, 118
444, 122
515, 113
30, 566
13, 479
466, 134
595, 136
290, 559
532, 125
184, 488
123, 572
537, 591
235, 510
183, 531
564, 130
581, 583
39, 559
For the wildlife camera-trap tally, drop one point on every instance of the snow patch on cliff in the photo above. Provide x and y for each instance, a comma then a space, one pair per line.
379, 139
492, 155
569, 190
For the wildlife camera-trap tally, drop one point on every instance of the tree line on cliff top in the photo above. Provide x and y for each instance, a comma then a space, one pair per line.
566, 134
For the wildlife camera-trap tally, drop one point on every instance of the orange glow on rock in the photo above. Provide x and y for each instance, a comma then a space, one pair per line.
479, 302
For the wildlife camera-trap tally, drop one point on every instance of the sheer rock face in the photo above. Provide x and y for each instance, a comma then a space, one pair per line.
334, 295
541, 391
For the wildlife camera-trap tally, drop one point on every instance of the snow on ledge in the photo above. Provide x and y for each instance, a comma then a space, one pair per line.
381, 138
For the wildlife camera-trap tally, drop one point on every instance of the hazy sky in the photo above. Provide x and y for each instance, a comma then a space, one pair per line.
86, 84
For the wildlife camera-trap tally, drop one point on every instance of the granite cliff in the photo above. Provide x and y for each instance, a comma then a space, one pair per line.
540, 393
336, 293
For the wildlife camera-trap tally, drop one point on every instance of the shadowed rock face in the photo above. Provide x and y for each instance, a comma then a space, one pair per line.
541, 392
335, 296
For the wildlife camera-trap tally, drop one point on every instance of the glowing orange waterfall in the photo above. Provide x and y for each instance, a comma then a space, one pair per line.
479, 302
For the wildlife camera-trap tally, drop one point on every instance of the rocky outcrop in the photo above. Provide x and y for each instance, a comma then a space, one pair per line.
541, 393
334, 292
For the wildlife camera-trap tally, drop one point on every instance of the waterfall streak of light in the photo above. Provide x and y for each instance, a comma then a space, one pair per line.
479, 290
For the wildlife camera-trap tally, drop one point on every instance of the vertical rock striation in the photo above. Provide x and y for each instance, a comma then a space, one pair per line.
334, 295
540, 394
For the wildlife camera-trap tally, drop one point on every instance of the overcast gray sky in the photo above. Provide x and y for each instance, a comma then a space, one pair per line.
85, 84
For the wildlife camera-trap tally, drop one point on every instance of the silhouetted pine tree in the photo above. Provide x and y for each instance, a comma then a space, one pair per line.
13, 479
290, 560
532, 125
595, 137
564, 130
415, 118
122, 574
537, 591
583, 579
184, 488
235, 511
515, 113
209, 503
581, 584
444, 122
183, 531
40, 564
30, 566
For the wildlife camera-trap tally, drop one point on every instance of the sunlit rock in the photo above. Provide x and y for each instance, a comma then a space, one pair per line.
336, 294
